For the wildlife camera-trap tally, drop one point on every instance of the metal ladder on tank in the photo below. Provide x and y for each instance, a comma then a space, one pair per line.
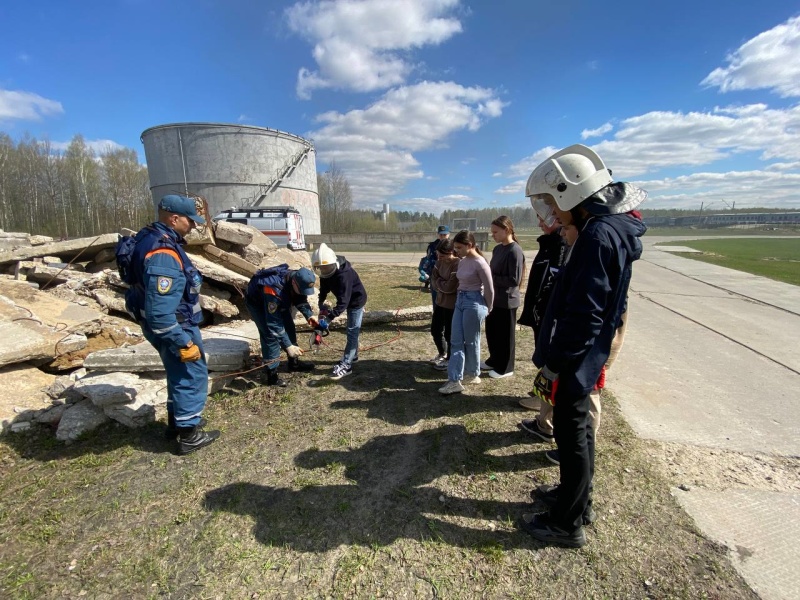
264, 189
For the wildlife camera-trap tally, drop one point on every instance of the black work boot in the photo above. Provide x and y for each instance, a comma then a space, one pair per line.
295, 364
171, 432
192, 438
271, 378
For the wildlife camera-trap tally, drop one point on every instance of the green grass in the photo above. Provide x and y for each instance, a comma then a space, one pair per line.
777, 259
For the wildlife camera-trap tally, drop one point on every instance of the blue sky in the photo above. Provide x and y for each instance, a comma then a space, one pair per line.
434, 104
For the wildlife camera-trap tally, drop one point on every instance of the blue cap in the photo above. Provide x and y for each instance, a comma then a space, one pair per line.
305, 279
443, 229
181, 205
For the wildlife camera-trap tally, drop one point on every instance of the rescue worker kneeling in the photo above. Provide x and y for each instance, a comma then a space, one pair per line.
164, 298
270, 297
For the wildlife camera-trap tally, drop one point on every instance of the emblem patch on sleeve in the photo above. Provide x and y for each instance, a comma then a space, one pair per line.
164, 284
272, 307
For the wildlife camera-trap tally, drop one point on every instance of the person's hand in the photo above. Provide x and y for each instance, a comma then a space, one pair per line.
545, 385
190, 353
294, 351
324, 312
313, 322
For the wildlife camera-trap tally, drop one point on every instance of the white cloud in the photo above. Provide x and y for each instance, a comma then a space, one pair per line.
243, 118
516, 188
663, 139
26, 106
362, 45
667, 140
436, 205
374, 146
771, 60
96, 146
602, 130
718, 190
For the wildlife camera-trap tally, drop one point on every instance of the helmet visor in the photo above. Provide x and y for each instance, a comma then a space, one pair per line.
544, 210
326, 271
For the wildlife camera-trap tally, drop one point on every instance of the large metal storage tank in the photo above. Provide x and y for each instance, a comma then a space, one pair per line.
234, 165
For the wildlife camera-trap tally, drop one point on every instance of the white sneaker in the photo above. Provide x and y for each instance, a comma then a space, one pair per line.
495, 375
441, 365
436, 359
473, 380
485, 367
451, 387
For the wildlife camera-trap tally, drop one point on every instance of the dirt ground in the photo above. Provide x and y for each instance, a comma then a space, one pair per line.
372, 486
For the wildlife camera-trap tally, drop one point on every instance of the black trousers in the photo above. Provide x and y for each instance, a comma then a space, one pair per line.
572, 427
501, 329
441, 324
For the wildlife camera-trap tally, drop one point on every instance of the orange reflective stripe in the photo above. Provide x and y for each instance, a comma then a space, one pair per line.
172, 253
270, 291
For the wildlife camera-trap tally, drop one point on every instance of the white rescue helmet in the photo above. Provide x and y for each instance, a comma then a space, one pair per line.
324, 259
568, 177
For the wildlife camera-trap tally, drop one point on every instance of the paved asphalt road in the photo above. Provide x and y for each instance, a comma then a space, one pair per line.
712, 359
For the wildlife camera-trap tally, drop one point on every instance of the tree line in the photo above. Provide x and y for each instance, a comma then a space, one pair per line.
71, 193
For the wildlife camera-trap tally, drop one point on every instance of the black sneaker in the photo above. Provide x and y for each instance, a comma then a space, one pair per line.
341, 370
191, 439
542, 528
271, 378
552, 456
532, 427
548, 495
297, 365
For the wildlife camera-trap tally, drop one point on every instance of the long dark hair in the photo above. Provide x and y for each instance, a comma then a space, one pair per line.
467, 239
503, 222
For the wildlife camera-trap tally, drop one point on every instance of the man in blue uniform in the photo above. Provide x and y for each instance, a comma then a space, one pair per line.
270, 297
164, 298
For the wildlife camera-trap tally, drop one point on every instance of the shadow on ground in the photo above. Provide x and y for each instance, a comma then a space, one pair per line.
389, 492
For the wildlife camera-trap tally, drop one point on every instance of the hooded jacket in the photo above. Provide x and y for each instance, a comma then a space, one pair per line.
445, 281
346, 285
588, 299
546, 264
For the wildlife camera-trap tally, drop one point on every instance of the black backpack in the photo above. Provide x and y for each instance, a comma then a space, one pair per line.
124, 255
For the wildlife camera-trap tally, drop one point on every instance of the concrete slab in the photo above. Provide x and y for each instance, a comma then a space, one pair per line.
680, 249
22, 385
760, 529
83, 248
221, 354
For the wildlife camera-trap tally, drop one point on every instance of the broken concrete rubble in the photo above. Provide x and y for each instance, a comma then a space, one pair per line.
125, 384
85, 248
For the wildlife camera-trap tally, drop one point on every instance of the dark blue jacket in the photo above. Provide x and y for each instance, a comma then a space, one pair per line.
346, 285
166, 288
588, 299
270, 291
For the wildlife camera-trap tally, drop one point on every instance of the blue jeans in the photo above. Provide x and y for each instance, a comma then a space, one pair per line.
187, 382
465, 337
354, 316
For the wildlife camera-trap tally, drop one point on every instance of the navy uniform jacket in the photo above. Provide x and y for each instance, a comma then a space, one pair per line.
272, 291
588, 300
167, 291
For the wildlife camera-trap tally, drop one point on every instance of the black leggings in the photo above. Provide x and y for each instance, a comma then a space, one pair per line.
441, 323
501, 328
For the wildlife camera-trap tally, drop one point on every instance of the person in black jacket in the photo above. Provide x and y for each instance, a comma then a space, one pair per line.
338, 277
508, 269
585, 308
